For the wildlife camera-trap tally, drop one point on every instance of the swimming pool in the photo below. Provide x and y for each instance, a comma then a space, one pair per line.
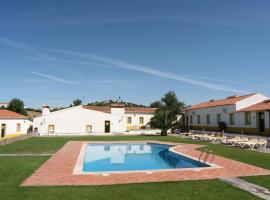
134, 157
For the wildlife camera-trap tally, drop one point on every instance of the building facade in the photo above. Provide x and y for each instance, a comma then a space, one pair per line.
3, 104
12, 123
249, 113
92, 119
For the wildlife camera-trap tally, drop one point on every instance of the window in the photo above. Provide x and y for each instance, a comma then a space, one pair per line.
207, 119
51, 129
198, 119
88, 128
191, 119
18, 128
247, 118
129, 120
231, 118
141, 120
218, 118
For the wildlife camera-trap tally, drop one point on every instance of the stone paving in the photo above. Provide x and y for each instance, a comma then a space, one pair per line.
58, 170
259, 191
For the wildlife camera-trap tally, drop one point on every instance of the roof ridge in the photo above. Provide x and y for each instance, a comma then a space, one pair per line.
220, 102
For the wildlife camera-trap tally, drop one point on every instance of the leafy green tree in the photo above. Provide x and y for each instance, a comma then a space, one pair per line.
17, 105
166, 114
155, 104
77, 102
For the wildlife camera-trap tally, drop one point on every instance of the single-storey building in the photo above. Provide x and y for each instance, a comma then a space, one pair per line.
3, 104
248, 113
13, 124
115, 118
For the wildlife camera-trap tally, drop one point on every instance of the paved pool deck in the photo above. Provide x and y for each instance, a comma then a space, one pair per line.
59, 169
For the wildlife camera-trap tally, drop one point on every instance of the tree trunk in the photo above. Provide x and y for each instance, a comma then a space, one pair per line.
164, 133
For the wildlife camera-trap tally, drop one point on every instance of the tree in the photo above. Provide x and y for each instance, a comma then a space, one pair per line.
155, 104
165, 116
77, 102
17, 105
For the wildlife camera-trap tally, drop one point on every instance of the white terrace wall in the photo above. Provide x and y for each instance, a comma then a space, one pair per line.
74, 120
135, 120
238, 126
212, 111
11, 125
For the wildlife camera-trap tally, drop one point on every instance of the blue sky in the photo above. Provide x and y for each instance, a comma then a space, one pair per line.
55, 51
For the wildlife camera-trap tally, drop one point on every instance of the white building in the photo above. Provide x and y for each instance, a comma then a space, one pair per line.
92, 119
249, 113
12, 123
3, 105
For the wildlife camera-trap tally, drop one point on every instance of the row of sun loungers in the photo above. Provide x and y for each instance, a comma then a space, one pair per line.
217, 137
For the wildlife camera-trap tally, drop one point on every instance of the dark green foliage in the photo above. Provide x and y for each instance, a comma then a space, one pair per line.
165, 117
155, 104
77, 102
17, 105
110, 101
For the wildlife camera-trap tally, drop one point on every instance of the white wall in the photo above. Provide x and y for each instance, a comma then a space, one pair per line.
212, 111
239, 117
75, 120
254, 99
11, 125
135, 118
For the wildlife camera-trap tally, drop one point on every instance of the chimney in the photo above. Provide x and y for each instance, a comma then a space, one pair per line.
46, 109
118, 109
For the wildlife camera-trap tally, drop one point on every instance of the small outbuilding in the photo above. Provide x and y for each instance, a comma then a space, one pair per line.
13, 124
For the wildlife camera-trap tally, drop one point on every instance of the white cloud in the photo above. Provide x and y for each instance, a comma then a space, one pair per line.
24, 47
54, 78
149, 70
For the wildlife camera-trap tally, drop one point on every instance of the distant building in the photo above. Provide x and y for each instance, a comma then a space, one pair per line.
249, 113
12, 123
92, 119
3, 105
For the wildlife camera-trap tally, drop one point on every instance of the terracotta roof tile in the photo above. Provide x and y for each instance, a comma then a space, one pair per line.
139, 110
221, 102
6, 114
104, 109
265, 105
107, 109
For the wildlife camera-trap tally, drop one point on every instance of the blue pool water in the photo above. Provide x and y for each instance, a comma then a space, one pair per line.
131, 157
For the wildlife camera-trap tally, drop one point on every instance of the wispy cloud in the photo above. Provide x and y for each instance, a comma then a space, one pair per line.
229, 81
24, 47
65, 61
109, 62
149, 70
54, 78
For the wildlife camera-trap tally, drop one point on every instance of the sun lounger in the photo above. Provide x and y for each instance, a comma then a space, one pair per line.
252, 143
232, 141
262, 143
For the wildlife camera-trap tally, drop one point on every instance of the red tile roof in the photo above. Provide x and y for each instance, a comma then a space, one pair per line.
6, 114
107, 109
139, 110
221, 102
265, 105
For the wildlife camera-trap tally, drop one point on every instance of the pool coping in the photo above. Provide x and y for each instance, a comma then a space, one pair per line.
59, 169
78, 169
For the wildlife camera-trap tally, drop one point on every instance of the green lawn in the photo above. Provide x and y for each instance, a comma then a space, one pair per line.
13, 170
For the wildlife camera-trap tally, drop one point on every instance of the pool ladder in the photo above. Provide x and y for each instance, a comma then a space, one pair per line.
205, 154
